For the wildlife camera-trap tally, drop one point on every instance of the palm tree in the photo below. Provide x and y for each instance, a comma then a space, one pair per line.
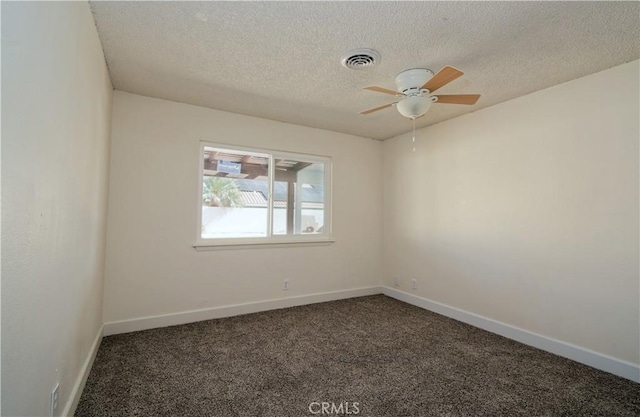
220, 192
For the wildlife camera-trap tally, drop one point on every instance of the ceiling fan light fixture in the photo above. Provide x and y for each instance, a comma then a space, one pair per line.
414, 107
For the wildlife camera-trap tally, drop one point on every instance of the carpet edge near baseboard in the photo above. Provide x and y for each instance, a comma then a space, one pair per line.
164, 320
567, 350
81, 380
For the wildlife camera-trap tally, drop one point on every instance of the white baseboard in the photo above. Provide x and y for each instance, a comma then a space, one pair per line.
579, 354
78, 387
144, 323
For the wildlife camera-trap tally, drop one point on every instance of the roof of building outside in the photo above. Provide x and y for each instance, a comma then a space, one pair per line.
313, 194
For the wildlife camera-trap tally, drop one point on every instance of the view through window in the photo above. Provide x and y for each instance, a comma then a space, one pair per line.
262, 194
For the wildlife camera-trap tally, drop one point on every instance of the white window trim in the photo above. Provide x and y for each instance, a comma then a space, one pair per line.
269, 240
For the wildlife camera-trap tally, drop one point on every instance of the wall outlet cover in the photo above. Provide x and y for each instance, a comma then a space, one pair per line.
54, 400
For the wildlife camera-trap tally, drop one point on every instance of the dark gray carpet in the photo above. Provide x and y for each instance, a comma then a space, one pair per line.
391, 358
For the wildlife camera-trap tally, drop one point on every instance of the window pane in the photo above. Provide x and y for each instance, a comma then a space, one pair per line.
280, 207
235, 194
298, 197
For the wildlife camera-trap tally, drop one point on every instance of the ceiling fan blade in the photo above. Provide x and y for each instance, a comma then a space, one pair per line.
442, 78
382, 90
377, 108
459, 99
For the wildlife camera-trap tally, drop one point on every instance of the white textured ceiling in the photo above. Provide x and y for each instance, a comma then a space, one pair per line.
281, 60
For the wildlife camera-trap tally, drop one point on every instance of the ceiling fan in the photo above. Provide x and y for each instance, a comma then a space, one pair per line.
415, 87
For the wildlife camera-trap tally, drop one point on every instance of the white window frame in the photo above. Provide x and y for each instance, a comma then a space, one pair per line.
270, 240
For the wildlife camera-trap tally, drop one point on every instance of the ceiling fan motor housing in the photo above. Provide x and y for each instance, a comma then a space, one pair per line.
410, 81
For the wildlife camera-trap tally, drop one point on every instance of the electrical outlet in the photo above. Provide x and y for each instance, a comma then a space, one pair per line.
54, 400
285, 284
396, 281
414, 284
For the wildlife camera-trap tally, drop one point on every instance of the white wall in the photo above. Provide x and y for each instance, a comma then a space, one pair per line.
152, 268
56, 104
527, 212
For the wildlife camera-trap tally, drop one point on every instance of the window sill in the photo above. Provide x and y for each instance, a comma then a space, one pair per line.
261, 243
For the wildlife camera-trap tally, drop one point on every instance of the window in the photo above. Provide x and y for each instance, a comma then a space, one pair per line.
253, 196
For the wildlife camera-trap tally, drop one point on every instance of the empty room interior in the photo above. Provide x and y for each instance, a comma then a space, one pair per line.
320, 208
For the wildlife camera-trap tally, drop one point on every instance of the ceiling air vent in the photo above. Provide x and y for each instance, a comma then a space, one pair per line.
362, 58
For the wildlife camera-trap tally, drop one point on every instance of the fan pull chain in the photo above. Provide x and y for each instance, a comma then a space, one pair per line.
413, 140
